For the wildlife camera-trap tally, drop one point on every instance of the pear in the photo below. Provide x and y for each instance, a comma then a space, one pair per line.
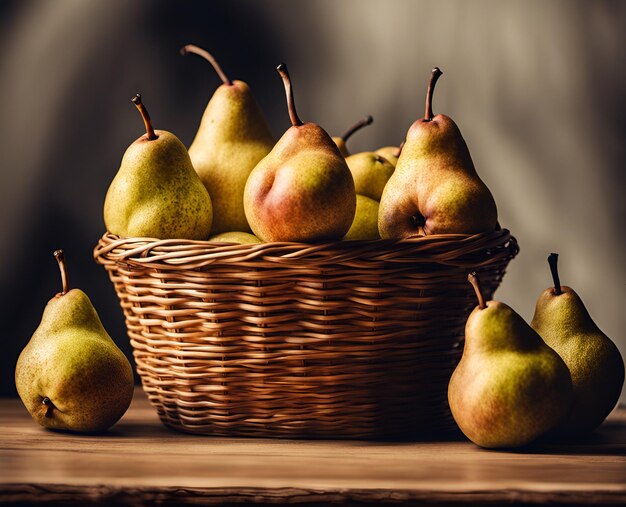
435, 188
509, 387
340, 141
232, 138
391, 153
365, 223
595, 363
370, 172
235, 237
71, 375
302, 191
156, 193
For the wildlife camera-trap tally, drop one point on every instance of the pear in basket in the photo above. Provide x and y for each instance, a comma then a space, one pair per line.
157, 193
391, 153
435, 188
340, 141
370, 172
71, 375
509, 387
233, 136
302, 190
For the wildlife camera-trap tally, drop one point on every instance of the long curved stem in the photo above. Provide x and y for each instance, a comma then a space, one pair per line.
146, 117
474, 280
428, 113
58, 255
363, 122
192, 48
291, 105
553, 260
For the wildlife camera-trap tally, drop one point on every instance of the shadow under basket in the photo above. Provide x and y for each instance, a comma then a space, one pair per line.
350, 339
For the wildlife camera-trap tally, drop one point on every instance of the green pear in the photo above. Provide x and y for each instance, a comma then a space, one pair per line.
365, 223
235, 237
435, 188
302, 191
509, 387
595, 363
340, 141
156, 193
370, 172
391, 153
232, 138
71, 375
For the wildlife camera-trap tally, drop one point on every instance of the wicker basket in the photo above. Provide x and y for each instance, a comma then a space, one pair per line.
336, 340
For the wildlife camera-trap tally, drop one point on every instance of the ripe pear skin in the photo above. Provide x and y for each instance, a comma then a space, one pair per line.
435, 188
235, 237
365, 223
390, 153
595, 363
232, 138
72, 361
509, 387
157, 194
370, 172
302, 191
341, 145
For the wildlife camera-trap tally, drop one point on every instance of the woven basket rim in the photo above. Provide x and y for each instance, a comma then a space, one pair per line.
176, 253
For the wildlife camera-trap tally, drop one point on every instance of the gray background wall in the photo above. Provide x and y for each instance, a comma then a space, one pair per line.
537, 89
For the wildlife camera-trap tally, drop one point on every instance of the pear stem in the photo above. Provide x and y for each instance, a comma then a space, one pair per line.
49, 406
146, 117
363, 122
428, 113
553, 260
474, 280
58, 255
291, 105
192, 48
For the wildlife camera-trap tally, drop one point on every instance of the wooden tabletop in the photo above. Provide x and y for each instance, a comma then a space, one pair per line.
140, 461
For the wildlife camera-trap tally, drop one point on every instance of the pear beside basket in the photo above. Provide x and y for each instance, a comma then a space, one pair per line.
353, 339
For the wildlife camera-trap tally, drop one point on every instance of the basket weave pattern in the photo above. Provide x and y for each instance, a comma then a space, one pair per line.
336, 340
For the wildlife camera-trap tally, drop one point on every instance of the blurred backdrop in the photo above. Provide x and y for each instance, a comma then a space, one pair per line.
537, 89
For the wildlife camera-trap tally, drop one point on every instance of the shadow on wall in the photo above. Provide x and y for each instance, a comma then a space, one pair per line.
536, 88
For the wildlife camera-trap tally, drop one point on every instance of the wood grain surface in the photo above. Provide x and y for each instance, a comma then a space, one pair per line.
141, 462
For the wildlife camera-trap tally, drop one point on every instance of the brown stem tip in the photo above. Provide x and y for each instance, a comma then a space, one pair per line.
58, 255
363, 122
475, 281
435, 74
553, 260
146, 117
192, 48
291, 105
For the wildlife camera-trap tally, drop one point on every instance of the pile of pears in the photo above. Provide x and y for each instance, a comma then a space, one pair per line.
236, 183
558, 377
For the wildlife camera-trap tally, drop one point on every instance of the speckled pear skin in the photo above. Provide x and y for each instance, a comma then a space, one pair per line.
509, 387
302, 190
370, 172
232, 138
156, 193
435, 188
595, 363
71, 360
390, 153
365, 223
